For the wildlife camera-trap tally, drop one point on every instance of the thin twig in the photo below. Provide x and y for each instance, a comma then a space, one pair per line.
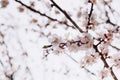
89, 15
82, 66
108, 20
42, 14
67, 16
115, 47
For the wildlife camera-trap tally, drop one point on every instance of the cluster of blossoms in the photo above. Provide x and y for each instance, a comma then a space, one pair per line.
103, 48
115, 60
82, 43
106, 37
89, 59
104, 72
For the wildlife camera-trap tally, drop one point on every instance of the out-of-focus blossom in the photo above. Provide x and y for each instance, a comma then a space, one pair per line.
89, 59
93, 1
82, 43
4, 3
104, 73
21, 9
103, 48
57, 50
73, 48
1, 38
116, 60
87, 41
54, 39
56, 42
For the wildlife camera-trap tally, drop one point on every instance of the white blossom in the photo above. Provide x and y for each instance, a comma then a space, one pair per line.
103, 48
88, 40
73, 48
116, 60
54, 39
82, 43
104, 73
89, 59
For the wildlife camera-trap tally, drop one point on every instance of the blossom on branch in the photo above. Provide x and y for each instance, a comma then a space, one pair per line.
90, 58
116, 60
104, 73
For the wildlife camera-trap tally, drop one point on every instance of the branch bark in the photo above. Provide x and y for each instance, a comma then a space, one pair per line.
105, 62
67, 16
42, 14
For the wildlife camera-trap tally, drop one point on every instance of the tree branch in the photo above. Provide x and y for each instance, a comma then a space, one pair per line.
105, 62
67, 16
42, 14
89, 15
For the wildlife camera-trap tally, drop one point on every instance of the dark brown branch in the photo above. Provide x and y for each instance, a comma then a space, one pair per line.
113, 75
89, 15
42, 14
62, 45
89, 23
108, 20
67, 16
102, 57
95, 46
11, 77
105, 62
